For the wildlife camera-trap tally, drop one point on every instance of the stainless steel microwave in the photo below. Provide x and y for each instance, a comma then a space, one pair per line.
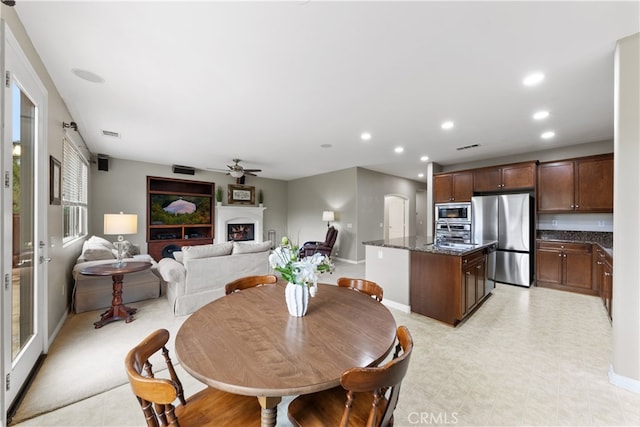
454, 212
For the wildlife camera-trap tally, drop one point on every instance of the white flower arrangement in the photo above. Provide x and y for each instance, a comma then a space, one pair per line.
300, 271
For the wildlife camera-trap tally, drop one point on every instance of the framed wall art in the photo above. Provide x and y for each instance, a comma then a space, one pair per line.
241, 195
55, 181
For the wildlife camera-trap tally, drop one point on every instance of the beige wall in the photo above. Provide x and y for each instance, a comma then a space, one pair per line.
357, 197
308, 197
625, 364
123, 188
59, 270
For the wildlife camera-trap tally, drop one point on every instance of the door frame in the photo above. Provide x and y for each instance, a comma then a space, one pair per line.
31, 81
405, 200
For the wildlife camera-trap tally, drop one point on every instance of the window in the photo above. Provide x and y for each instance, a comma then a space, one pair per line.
75, 179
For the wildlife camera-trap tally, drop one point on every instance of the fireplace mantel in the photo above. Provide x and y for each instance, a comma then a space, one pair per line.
238, 215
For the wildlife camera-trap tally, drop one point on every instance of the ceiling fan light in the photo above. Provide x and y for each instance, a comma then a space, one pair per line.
236, 173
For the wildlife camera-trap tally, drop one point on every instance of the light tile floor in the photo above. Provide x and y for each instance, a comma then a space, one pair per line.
526, 357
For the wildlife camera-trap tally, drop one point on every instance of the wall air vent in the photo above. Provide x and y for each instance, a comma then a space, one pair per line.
111, 133
466, 147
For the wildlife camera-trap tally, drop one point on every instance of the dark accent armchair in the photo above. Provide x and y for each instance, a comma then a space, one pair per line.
324, 248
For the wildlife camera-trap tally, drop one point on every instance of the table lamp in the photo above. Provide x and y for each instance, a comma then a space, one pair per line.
120, 224
328, 216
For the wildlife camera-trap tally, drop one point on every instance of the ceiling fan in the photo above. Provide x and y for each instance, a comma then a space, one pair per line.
238, 171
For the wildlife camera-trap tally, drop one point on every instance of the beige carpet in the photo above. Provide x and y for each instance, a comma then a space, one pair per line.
84, 361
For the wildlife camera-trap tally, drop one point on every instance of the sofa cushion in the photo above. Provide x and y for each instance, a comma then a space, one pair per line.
95, 240
249, 248
96, 251
206, 251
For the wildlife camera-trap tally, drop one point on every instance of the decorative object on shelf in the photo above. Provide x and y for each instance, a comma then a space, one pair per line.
241, 195
301, 275
260, 198
55, 176
328, 216
219, 195
120, 224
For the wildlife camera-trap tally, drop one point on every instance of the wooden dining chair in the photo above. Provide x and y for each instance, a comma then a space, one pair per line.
367, 397
209, 407
249, 282
362, 285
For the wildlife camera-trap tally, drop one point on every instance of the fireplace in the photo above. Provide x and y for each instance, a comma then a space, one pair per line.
240, 232
239, 223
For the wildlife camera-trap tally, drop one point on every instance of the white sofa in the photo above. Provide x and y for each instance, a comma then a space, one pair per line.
197, 274
96, 292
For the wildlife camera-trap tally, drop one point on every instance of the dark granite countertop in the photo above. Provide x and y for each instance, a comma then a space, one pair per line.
425, 244
602, 239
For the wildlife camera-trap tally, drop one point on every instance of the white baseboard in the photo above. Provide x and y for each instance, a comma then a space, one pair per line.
396, 305
623, 382
58, 327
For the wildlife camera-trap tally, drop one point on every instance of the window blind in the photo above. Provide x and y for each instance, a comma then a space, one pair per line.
74, 176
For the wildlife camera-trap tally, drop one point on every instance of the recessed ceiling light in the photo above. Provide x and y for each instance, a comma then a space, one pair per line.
365, 136
533, 79
447, 125
420, 175
87, 75
541, 115
399, 149
424, 158
548, 135
326, 145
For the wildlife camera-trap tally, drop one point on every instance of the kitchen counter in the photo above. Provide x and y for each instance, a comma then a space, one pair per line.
419, 277
608, 250
425, 244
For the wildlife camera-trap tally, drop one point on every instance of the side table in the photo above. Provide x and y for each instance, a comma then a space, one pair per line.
117, 311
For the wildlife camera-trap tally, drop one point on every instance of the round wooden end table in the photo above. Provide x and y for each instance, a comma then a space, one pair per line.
117, 311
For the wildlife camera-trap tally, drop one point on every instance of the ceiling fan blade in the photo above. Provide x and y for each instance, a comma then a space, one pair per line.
253, 170
249, 173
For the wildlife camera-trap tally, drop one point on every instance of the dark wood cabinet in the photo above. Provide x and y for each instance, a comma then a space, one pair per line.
447, 287
474, 279
453, 187
603, 276
565, 266
179, 213
506, 177
576, 185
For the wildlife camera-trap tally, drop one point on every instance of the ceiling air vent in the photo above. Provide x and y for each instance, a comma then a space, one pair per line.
111, 133
466, 147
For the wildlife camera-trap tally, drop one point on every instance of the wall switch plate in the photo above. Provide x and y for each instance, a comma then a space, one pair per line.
554, 222
349, 225
380, 254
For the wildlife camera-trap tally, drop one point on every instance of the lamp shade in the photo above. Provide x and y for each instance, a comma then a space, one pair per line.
328, 216
120, 223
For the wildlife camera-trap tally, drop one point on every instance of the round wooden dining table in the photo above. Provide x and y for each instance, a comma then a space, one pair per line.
247, 343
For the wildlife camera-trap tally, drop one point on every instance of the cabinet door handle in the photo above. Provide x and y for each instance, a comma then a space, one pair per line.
572, 206
559, 254
478, 267
598, 262
577, 206
467, 273
606, 273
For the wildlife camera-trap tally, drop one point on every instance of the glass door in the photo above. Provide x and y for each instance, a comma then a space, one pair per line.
23, 269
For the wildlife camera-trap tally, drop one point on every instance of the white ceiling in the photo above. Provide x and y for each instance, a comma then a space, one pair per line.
200, 83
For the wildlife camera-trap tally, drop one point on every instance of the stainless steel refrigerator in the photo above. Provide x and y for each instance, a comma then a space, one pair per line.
507, 218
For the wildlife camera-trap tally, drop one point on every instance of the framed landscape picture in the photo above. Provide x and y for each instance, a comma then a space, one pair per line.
55, 178
241, 195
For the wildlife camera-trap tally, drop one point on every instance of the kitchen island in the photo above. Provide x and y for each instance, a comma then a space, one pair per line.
444, 283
